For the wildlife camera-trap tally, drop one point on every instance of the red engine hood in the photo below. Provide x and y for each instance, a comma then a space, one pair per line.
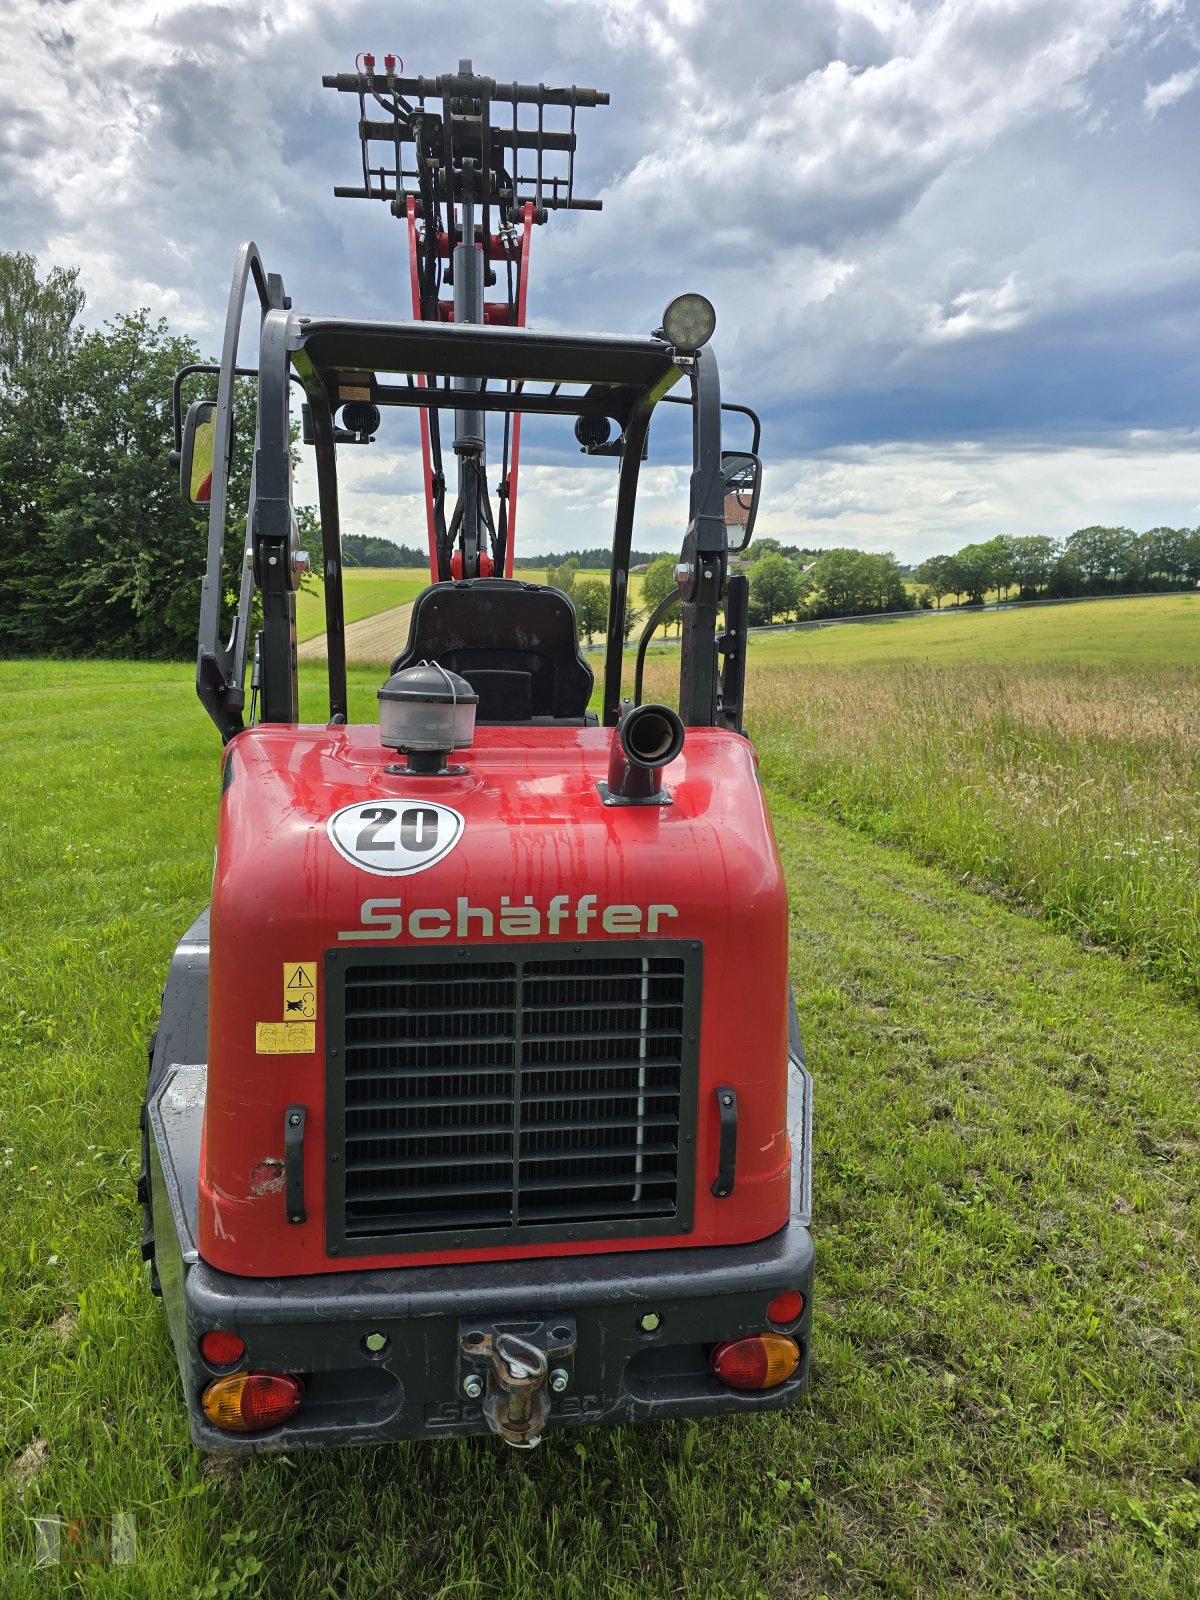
538, 858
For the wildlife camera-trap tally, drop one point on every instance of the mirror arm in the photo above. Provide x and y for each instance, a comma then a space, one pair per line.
726, 405
213, 370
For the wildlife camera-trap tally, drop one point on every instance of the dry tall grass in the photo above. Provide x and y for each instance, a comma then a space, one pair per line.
1075, 789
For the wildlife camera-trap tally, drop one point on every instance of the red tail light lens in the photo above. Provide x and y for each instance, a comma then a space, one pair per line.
761, 1361
786, 1308
221, 1349
248, 1402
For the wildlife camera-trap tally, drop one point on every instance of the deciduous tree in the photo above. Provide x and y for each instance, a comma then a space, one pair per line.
969, 572
774, 586
932, 573
36, 315
564, 577
658, 583
591, 606
1098, 554
1034, 556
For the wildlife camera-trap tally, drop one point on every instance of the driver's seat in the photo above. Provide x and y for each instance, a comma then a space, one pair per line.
515, 643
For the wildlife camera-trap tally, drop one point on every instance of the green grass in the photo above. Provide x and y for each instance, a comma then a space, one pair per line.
1004, 1395
1052, 756
366, 590
1159, 629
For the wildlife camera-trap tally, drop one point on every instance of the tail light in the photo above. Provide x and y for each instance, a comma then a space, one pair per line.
786, 1308
221, 1349
248, 1402
761, 1361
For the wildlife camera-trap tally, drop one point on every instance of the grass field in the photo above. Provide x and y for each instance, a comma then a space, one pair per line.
366, 590
1007, 1193
1051, 755
1155, 630
370, 590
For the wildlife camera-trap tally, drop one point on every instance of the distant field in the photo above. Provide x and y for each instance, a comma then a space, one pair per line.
366, 590
372, 591
1162, 629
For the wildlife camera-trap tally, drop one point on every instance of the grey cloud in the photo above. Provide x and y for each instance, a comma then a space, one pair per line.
60, 43
917, 221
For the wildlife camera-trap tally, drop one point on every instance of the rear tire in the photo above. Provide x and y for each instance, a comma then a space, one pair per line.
143, 1185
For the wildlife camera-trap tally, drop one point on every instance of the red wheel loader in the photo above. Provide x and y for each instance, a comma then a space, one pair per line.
477, 1101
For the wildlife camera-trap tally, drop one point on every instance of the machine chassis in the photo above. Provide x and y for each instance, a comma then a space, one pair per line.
317, 1325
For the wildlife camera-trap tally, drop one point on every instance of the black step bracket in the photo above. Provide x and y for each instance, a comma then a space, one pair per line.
727, 1152
293, 1163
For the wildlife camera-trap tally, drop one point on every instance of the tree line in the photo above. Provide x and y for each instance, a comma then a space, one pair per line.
787, 584
1094, 560
368, 550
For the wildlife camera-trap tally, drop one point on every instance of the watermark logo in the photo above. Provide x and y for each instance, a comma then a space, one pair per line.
99, 1540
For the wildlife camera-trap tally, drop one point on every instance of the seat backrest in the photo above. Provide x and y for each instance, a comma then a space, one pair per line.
515, 643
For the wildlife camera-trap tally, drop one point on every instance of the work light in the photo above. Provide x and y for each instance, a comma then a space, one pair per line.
689, 322
361, 418
592, 431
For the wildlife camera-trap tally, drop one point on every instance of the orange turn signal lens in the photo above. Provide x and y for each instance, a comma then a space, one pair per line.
221, 1349
248, 1402
786, 1308
761, 1361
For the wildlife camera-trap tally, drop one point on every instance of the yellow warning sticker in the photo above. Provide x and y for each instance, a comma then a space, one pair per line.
300, 991
285, 1038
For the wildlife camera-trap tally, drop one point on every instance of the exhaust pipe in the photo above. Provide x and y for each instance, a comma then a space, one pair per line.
645, 739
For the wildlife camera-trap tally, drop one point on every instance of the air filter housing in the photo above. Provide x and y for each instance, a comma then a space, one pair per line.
427, 711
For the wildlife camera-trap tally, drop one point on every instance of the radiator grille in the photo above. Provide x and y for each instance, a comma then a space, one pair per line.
518, 1098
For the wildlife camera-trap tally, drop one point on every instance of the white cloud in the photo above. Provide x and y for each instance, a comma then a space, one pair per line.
916, 500
1160, 95
973, 311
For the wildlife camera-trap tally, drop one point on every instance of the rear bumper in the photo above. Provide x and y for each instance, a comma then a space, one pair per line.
316, 1326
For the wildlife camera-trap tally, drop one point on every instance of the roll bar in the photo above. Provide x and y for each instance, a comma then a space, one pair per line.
625, 379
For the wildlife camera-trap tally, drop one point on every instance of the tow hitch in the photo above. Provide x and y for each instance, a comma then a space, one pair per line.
514, 1367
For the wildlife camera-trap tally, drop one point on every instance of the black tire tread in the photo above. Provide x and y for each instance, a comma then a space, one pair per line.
143, 1183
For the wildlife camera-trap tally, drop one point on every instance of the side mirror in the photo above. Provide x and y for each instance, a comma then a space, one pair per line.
742, 473
198, 452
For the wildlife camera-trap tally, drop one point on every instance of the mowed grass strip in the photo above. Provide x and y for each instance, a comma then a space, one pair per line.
1004, 1396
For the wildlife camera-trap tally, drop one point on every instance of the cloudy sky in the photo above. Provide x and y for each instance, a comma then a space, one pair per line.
954, 247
